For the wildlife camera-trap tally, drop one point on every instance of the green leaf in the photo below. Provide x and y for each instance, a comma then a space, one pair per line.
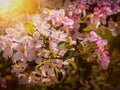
58, 73
69, 54
69, 47
40, 64
29, 28
73, 65
61, 45
107, 35
87, 29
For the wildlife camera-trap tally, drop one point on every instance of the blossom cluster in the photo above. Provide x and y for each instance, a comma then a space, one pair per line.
100, 51
38, 47
37, 42
93, 12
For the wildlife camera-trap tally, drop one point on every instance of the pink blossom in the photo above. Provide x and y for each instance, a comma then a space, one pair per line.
36, 41
20, 67
3, 83
38, 60
82, 8
106, 11
52, 45
18, 56
67, 22
104, 61
58, 35
74, 16
7, 47
36, 35
16, 32
43, 31
76, 26
101, 43
94, 36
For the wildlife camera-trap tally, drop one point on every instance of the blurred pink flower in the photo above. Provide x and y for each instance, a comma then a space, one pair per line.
104, 61
52, 44
3, 83
82, 8
94, 36
74, 16
101, 43
7, 47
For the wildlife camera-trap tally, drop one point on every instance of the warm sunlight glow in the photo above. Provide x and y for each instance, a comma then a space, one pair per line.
5, 4
8, 6
17, 6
